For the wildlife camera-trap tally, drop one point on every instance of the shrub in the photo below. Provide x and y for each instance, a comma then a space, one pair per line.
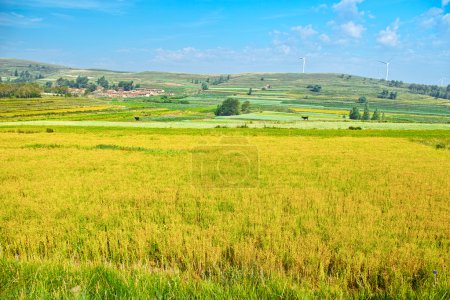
229, 107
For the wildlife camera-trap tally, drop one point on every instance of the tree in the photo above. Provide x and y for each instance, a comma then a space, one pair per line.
393, 95
28, 90
16, 73
229, 107
383, 94
245, 109
383, 117
355, 114
204, 86
376, 115
1, 79
60, 90
81, 81
103, 82
262, 78
126, 85
366, 114
249, 91
362, 99
48, 87
91, 87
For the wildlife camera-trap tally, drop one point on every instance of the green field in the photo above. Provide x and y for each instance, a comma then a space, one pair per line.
285, 102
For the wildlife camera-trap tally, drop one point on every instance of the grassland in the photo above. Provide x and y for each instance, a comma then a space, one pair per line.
104, 212
283, 104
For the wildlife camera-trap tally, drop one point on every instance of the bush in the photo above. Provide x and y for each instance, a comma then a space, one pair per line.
314, 88
362, 99
49, 130
355, 128
229, 107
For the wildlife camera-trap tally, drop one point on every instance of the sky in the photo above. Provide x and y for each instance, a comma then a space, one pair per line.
230, 36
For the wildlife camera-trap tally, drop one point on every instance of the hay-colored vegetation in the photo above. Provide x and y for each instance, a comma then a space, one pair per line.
104, 212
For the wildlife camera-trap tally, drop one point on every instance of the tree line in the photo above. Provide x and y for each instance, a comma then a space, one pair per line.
204, 84
430, 90
83, 82
20, 90
355, 114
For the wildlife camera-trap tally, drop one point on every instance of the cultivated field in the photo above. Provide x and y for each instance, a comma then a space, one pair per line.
225, 213
276, 98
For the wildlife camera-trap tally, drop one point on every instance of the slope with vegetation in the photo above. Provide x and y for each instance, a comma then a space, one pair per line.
316, 97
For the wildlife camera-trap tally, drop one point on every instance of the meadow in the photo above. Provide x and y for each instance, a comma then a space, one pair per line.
109, 212
277, 99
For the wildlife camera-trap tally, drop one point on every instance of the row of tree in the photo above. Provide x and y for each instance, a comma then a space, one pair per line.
431, 90
356, 115
20, 90
23, 77
386, 94
213, 80
83, 82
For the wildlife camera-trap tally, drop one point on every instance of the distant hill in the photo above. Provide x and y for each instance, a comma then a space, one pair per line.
335, 87
9, 66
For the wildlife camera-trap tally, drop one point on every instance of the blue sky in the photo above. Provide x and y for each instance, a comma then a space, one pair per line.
230, 36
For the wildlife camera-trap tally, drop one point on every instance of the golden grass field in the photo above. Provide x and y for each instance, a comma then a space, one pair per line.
104, 213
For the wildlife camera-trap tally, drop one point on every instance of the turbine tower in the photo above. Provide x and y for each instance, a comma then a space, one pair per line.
387, 67
304, 62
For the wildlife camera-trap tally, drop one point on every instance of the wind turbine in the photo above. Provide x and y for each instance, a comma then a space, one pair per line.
387, 67
304, 62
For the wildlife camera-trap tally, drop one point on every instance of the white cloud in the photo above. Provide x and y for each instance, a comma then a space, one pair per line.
324, 38
210, 56
389, 36
446, 19
112, 6
14, 19
353, 30
348, 8
445, 2
304, 31
431, 17
435, 17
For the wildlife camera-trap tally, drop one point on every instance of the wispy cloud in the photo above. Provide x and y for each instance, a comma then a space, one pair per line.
435, 17
304, 31
132, 50
112, 6
205, 20
348, 9
15, 19
389, 36
352, 30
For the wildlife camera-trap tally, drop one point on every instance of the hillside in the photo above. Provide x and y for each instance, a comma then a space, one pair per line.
277, 99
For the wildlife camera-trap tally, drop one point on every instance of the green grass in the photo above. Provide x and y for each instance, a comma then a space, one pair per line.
288, 90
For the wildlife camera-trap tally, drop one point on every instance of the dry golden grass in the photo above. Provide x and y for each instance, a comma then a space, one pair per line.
354, 214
